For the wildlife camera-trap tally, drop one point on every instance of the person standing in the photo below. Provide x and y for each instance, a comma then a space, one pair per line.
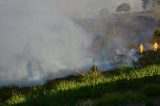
155, 46
141, 48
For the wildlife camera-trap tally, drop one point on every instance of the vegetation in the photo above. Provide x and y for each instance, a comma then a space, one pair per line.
149, 58
123, 8
118, 87
156, 36
121, 86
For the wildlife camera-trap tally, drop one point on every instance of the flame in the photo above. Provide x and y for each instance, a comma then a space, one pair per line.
141, 48
155, 46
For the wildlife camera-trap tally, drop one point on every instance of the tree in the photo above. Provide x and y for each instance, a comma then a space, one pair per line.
123, 8
156, 36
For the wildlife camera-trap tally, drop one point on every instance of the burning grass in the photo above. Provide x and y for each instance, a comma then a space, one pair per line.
119, 87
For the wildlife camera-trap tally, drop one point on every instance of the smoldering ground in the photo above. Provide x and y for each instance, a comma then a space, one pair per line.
47, 39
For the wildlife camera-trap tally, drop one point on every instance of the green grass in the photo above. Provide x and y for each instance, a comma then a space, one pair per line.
122, 98
121, 86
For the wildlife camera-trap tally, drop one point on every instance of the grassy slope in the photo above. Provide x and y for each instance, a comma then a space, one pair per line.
123, 86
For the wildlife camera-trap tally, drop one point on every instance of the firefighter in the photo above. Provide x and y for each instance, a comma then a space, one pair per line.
141, 48
155, 46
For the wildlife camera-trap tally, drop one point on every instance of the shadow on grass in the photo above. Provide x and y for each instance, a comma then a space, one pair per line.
73, 96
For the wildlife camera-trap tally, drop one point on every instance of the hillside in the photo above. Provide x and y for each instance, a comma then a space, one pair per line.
123, 86
48, 47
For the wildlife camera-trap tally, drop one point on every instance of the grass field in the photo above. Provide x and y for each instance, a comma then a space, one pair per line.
123, 86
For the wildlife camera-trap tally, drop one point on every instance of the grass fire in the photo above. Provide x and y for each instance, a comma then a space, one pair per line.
80, 53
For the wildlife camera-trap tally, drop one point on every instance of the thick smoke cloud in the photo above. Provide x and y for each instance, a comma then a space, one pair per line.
40, 39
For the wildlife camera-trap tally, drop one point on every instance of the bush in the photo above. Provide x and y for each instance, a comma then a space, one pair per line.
123, 8
156, 36
149, 58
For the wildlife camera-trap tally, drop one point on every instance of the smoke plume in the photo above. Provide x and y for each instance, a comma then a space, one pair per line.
47, 39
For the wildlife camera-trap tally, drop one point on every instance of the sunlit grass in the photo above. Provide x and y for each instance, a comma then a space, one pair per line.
16, 99
94, 87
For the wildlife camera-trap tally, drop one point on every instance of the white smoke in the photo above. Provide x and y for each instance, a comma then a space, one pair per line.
39, 39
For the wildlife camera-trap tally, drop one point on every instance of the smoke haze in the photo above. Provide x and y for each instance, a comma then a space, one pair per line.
44, 39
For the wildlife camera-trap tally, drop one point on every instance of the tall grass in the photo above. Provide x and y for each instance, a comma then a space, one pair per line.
88, 89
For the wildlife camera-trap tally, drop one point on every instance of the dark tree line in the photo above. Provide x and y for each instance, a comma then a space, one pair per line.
147, 4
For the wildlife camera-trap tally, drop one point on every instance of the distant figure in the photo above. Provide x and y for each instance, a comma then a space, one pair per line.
155, 46
141, 48
94, 68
